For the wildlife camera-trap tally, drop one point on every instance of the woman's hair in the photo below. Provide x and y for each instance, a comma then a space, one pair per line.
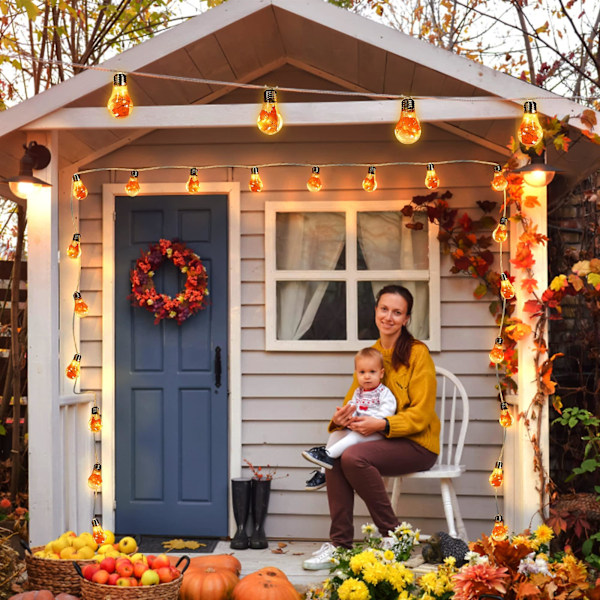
403, 346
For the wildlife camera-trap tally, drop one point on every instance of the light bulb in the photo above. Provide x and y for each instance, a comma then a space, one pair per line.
193, 183
79, 190
22, 189
95, 479
269, 120
97, 532
530, 131
538, 177
74, 249
81, 308
314, 183
497, 352
408, 128
499, 182
72, 370
255, 184
95, 422
505, 418
500, 530
132, 187
506, 287
119, 103
496, 477
432, 181
370, 181
500, 234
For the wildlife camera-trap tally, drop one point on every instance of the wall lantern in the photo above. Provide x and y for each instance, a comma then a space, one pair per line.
537, 173
36, 157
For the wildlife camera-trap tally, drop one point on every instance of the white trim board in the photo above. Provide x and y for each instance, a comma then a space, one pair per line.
109, 191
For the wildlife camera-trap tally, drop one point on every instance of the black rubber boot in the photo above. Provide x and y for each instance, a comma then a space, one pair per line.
261, 490
240, 499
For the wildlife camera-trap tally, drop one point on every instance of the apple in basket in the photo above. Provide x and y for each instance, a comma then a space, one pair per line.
124, 582
162, 560
124, 567
165, 575
100, 576
139, 568
108, 564
89, 570
113, 578
150, 577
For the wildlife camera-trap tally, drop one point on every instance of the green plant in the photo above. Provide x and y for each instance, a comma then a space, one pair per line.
587, 550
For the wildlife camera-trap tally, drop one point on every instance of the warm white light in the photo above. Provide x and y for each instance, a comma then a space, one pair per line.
538, 178
22, 189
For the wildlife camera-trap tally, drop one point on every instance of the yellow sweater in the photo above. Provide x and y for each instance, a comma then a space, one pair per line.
415, 390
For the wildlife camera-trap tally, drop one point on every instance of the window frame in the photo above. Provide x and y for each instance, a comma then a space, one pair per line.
351, 275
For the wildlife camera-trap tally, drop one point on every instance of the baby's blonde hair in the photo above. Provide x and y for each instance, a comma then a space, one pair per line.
369, 353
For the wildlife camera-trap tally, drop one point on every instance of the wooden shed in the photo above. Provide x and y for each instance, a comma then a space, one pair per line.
257, 374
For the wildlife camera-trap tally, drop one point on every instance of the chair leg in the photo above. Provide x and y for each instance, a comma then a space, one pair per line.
446, 485
462, 531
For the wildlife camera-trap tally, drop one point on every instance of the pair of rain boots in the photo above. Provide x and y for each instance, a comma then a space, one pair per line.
249, 494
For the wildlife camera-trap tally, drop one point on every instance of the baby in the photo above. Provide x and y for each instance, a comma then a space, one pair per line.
371, 399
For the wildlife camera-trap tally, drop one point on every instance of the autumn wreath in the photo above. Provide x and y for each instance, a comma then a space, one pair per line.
188, 301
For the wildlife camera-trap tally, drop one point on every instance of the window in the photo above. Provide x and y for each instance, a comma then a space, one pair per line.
325, 263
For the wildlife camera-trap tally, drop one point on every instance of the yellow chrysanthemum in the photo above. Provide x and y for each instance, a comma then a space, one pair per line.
450, 561
359, 561
521, 540
399, 576
544, 534
327, 584
353, 589
389, 555
374, 573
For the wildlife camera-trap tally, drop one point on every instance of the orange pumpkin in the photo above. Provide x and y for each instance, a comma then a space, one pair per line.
207, 583
217, 561
268, 583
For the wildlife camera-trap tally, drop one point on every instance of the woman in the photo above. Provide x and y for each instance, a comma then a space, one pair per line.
410, 440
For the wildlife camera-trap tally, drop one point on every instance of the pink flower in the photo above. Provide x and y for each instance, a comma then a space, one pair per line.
474, 580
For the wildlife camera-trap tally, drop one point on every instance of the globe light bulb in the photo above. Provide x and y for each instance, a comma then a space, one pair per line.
499, 182
74, 249
496, 477
95, 422
497, 352
255, 184
408, 128
72, 370
530, 131
370, 181
193, 183
314, 183
538, 177
500, 234
81, 308
95, 479
79, 190
505, 418
97, 532
22, 189
500, 530
269, 120
506, 287
132, 187
432, 181
120, 104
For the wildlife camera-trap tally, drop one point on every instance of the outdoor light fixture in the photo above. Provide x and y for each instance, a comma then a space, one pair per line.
256, 184
530, 131
432, 181
314, 183
408, 128
537, 173
370, 181
36, 157
269, 119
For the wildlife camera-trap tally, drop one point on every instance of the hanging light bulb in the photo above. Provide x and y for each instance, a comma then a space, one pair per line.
132, 187
74, 249
500, 530
497, 475
497, 352
95, 479
500, 234
505, 418
81, 308
97, 532
314, 183
506, 287
72, 370
193, 183
408, 128
269, 120
119, 103
432, 181
79, 190
370, 181
499, 182
255, 184
530, 131
95, 422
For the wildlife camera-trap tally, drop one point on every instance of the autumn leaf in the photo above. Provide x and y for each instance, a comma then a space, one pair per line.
531, 202
529, 285
557, 403
480, 291
594, 280
561, 142
465, 222
523, 258
593, 137
486, 206
179, 544
559, 283
527, 589
534, 307
576, 282
595, 265
518, 331
588, 118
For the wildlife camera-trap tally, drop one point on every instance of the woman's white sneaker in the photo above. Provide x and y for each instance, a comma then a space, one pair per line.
321, 558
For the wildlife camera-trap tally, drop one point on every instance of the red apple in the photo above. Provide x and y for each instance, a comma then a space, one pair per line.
124, 567
133, 582
150, 558
113, 578
162, 560
139, 568
108, 564
123, 581
175, 572
165, 575
89, 570
100, 576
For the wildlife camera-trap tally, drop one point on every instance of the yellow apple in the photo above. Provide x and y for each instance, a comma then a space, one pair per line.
105, 548
150, 577
68, 552
139, 557
48, 547
85, 552
109, 537
128, 545
59, 545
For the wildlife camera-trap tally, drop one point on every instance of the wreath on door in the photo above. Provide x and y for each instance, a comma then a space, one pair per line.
190, 300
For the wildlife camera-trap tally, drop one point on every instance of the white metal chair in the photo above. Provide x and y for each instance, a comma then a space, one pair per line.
454, 423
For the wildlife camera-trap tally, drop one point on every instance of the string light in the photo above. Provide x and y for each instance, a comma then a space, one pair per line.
120, 104
97, 532
500, 234
95, 422
497, 475
497, 352
408, 128
499, 181
500, 530
432, 181
74, 249
95, 479
193, 183
314, 183
79, 190
505, 418
132, 187
506, 287
255, 184
530, 131
73, 368
269, 120
370, 181
80, 308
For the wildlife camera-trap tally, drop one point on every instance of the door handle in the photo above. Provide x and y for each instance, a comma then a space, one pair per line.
218, 368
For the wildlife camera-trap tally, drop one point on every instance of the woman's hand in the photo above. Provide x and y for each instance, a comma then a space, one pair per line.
343, 415
367, 425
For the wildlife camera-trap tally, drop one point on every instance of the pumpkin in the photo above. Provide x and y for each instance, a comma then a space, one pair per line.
207, 583
268, 583
34, 595
217, 561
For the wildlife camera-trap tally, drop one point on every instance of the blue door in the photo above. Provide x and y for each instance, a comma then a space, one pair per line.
171, 402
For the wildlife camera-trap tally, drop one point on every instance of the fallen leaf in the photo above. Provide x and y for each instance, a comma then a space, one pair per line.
281, 545
277, 551
179, 544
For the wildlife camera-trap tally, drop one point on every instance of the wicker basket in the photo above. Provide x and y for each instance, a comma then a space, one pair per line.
53, 574
99, 591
